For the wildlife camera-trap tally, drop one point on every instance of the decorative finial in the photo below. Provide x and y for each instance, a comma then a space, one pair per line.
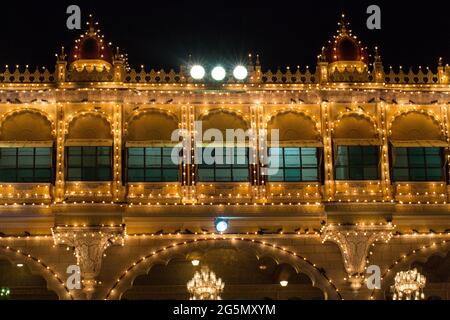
62, 56
377, 55
91, 25
258, 63
343, 24
440, 62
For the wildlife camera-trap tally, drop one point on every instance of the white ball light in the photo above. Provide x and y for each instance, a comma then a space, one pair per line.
221, 225
218, 73
240, 72
284, 283
197, 72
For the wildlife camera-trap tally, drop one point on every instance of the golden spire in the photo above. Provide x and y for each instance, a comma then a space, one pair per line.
343, 24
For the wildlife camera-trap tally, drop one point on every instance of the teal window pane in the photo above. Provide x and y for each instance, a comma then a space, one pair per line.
7, 175
418, 164
223, 175
170, 174
136, 151
74, 173
153, 175
240, 174
341, 173
135, 161
292, 175
231, 165
357, 163
89, 163
136, 175
24, 164
206, 174
310, 175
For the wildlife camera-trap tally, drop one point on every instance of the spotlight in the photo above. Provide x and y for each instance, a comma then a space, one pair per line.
197, 72
195, 262
284, 283
240, 72
221, 225
218, 73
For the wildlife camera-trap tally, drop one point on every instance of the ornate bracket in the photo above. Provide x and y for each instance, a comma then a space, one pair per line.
354, 242
89, 245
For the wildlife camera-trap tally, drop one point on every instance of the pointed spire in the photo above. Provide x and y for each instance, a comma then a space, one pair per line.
257, 63
91, 25
377, 55
343, 24
62, 55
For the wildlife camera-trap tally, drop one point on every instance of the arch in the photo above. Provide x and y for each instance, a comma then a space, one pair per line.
223, 119
299, 263
293, 126
151, 124
416, 125
389, 274
253, 277
354, 125
89, 125
26, 125
38, 267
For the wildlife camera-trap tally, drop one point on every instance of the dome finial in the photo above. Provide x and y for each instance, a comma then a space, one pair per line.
343, 24
91, 25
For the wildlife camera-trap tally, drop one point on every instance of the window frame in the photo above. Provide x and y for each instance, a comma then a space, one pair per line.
67, 163
362, 166
215, 167
162, 167
33, 168
300, 168
425, 167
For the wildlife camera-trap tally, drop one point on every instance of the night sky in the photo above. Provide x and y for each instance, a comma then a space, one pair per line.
285, 33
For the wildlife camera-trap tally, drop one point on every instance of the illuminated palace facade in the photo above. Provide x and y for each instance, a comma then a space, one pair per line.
86, 178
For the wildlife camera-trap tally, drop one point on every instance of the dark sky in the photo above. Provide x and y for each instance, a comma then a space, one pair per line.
285, 33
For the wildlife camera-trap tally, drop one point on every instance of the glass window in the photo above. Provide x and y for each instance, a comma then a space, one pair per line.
231, 164
151, 164
418, 164
89, 163
26, 164
294, 164
357, 163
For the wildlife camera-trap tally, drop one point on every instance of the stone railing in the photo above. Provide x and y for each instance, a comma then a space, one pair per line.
26, 76
411, 77
288, 76
154, 76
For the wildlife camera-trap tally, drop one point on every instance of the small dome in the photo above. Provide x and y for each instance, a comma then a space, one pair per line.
91, 47
345, 47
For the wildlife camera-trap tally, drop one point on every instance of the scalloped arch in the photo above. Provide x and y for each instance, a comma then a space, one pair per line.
230, 119
308, 129
354, 127
151, 124
42, 128
89, 130
143, 265
426, 127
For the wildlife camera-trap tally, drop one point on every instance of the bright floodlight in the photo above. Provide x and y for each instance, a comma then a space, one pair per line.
221, 225
240, 72
218, 73
197, 72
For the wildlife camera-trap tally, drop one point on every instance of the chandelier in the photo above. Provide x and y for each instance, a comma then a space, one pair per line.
409, 285
205, 285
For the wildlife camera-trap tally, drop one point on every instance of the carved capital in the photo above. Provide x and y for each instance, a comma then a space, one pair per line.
89, 245
354, 242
